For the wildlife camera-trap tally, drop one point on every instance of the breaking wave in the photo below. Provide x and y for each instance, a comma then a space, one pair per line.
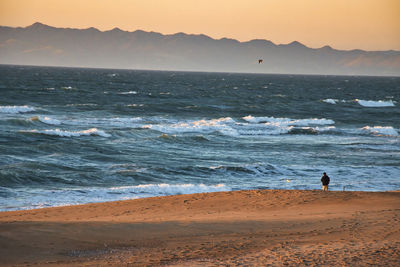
46, 120
330, 101
16, 109
221, 124
381, 130
64, 133
288, 121
170, 189
42, 198
254, 126
379, 103
128, 93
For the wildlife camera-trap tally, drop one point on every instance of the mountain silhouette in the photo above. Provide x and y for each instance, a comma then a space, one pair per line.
40, 44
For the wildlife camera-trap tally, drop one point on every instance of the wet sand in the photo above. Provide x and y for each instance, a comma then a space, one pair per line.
250, 228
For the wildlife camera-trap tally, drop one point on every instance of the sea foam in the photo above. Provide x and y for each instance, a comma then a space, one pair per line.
330, 101
128, 93
288, 121
255, 126
65, 133
381, 130
379, 103
16, 109
204, 126
41, 198
170, 189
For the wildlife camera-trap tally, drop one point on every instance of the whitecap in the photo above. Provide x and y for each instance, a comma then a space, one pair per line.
371, 103
381, 130
221, 124
67, 87
65, 133
128, 93
288, 121
330, 101
16, 109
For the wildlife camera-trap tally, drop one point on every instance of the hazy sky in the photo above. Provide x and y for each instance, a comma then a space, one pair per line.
343, 24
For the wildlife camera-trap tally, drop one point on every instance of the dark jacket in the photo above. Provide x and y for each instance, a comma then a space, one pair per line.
325, 179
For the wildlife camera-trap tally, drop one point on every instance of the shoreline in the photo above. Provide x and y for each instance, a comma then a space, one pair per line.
253, 227
186, 194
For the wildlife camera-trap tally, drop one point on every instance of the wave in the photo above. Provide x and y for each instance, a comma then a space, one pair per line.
16, 109
257, 169
116, 121
67, 88
171, 189
255, 126
128, 93
381, 130
64, 133
379, 103
46, 120
221, 124
364, 103
330, 101
288, 121
41, 198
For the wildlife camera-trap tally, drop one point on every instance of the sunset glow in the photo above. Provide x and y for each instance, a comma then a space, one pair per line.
343, 24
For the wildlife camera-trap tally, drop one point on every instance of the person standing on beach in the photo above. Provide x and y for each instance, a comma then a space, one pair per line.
325, 182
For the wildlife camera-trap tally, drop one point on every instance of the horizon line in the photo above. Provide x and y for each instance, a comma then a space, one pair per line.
199, 71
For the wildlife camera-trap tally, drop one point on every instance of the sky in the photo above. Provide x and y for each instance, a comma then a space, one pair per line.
342, 24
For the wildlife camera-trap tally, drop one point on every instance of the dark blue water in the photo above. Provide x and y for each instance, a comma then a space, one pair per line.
72, 136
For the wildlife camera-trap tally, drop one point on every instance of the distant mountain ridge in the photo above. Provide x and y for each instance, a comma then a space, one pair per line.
41, 44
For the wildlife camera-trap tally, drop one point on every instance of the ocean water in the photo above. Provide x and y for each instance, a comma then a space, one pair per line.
70, 136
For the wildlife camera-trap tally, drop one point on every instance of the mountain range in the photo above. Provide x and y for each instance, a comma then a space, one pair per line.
40, 44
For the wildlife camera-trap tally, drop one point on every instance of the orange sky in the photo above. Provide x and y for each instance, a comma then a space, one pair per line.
343, 24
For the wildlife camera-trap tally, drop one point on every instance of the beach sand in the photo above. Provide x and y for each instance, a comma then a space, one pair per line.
241, 228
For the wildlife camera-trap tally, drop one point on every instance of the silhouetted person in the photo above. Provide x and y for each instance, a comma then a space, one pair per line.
325, 182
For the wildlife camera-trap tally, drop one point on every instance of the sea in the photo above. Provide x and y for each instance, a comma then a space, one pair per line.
74, 135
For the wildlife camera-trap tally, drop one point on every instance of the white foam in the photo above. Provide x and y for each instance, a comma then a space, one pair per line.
221, 124
170, 189
128, 93
16, 109
41, 198
325, 128
65, 133
379, 103
330, 101
288, 121
67, 87
381, 130
229, 127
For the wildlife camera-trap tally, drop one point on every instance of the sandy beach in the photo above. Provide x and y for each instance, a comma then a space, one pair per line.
241, 228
